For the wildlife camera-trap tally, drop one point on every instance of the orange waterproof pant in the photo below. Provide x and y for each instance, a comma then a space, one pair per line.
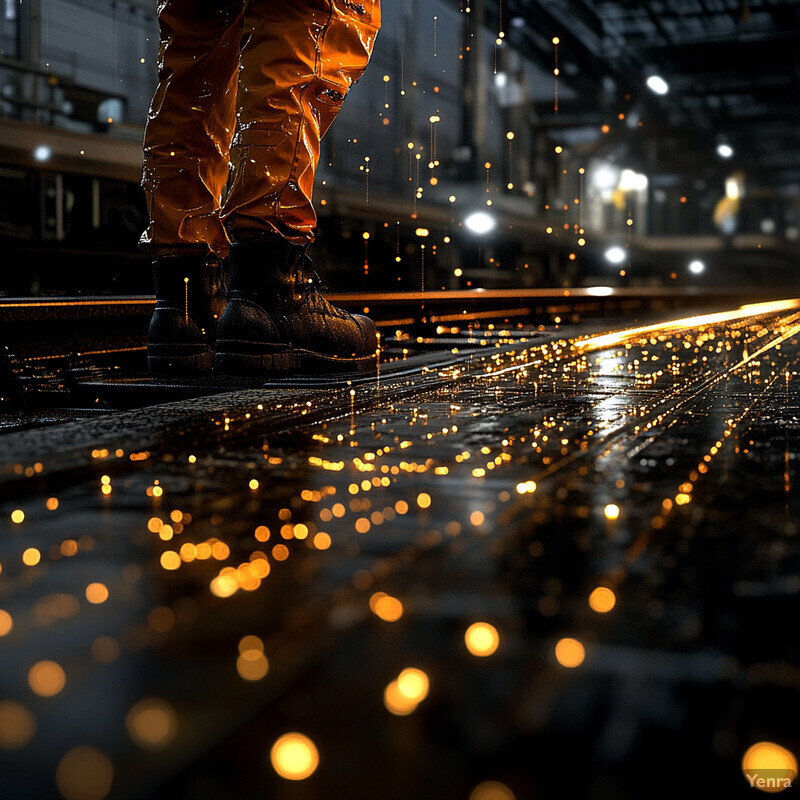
246, 91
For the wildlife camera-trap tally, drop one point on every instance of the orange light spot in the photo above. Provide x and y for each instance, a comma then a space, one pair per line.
294, 756
280, 552
570, 653
97, 593
482, 639
170, 560
775, 766
84, 773
262, 533
46, 678
388, 608
152, 724
602, 600
17, 725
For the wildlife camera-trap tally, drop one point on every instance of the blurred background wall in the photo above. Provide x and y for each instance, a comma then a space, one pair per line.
493, 143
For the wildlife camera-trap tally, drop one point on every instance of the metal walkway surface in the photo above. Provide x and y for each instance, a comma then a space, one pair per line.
529, 564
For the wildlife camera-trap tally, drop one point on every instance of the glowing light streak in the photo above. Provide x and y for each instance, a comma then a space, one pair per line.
751, 310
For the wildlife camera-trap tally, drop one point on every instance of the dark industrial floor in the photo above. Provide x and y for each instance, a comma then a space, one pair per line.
186, 580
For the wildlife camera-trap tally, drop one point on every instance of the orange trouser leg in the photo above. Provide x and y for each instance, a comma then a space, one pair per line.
191, 124
298, 60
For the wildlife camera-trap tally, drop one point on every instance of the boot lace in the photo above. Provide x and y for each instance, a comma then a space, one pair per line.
315, 288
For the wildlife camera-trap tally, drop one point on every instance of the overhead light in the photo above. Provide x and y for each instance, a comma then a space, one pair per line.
599, 291
632, 181
696, 267
725, 150
733, 188
480, 222
42, 153
605, 177
616, 254
500, 79
655, 83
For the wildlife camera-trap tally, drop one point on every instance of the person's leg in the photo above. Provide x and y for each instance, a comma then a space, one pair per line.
186, 167
299, 59
190, 125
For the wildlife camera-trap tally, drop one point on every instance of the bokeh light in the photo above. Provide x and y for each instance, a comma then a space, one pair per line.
769, 767
252, 665
46, 678
152, 723
413, 684
491, 790
97, 593
602, 600
170, 560
17, 725
570, 653
251, 642
611, 511
482, 639
388, 608
294, 756
396, 702
84, 773
6, 622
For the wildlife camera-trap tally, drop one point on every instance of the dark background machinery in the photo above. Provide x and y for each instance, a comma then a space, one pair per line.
606, 143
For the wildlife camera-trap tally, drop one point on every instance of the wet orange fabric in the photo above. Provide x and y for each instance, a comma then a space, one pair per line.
247, 89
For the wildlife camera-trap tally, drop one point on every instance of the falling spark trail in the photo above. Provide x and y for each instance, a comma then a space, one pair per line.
555, 73
422, 274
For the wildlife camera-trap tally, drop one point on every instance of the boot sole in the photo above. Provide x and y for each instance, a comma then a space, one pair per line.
169, 359
250, 358
233, 359
319, 362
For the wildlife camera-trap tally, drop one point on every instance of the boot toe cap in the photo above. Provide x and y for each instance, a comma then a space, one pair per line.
369, 334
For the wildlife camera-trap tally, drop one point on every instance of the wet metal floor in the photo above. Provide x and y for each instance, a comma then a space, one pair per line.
527, 565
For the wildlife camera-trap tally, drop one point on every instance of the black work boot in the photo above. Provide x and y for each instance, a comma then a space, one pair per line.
189, 302
277, 318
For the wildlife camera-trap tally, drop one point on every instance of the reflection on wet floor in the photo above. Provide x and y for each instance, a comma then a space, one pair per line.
559, 565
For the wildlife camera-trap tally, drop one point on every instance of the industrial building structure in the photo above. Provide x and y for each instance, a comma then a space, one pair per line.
662, 134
